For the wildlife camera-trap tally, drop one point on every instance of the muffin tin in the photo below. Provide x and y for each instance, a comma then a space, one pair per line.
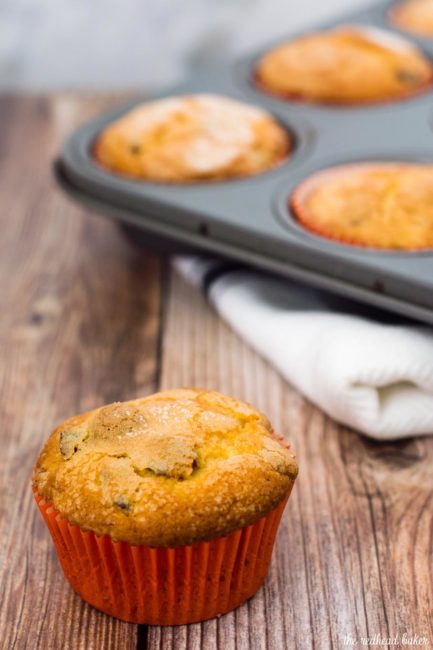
249, 219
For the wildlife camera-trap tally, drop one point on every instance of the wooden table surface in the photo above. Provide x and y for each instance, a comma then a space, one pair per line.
87, 318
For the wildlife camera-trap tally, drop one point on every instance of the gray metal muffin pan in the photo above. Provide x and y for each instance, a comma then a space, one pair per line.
249, 220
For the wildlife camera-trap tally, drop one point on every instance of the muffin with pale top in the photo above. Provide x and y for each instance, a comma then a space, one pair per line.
347, 65
378, 205
191, 139
164, 510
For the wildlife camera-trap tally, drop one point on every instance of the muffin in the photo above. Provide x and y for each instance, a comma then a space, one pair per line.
164, 510
380, 205
414, 16
191, 139
349, 65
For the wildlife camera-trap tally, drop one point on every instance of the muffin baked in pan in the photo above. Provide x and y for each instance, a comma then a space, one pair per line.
414, 16
346, 65
192, 138
377, 205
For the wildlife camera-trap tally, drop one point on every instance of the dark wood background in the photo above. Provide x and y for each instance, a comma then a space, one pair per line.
86, 318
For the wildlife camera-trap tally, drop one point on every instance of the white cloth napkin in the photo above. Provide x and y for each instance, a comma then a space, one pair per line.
374, 377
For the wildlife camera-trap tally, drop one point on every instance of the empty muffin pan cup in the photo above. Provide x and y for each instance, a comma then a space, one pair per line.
249, 219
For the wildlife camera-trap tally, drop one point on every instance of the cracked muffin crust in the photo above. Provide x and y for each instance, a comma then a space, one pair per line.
174, 468
380, 205
347, 65
191, 139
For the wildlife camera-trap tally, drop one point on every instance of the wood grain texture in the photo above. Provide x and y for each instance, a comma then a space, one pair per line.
82, 323
79, 327
354, 554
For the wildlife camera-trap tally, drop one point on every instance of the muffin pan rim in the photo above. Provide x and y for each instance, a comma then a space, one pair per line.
315, 278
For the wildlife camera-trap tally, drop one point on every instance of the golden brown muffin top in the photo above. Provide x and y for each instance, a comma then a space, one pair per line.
192, 138
381, 205
174, 468
414, 16
346, 65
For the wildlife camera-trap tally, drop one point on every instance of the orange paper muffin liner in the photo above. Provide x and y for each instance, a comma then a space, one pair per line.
306, 220
164, 586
